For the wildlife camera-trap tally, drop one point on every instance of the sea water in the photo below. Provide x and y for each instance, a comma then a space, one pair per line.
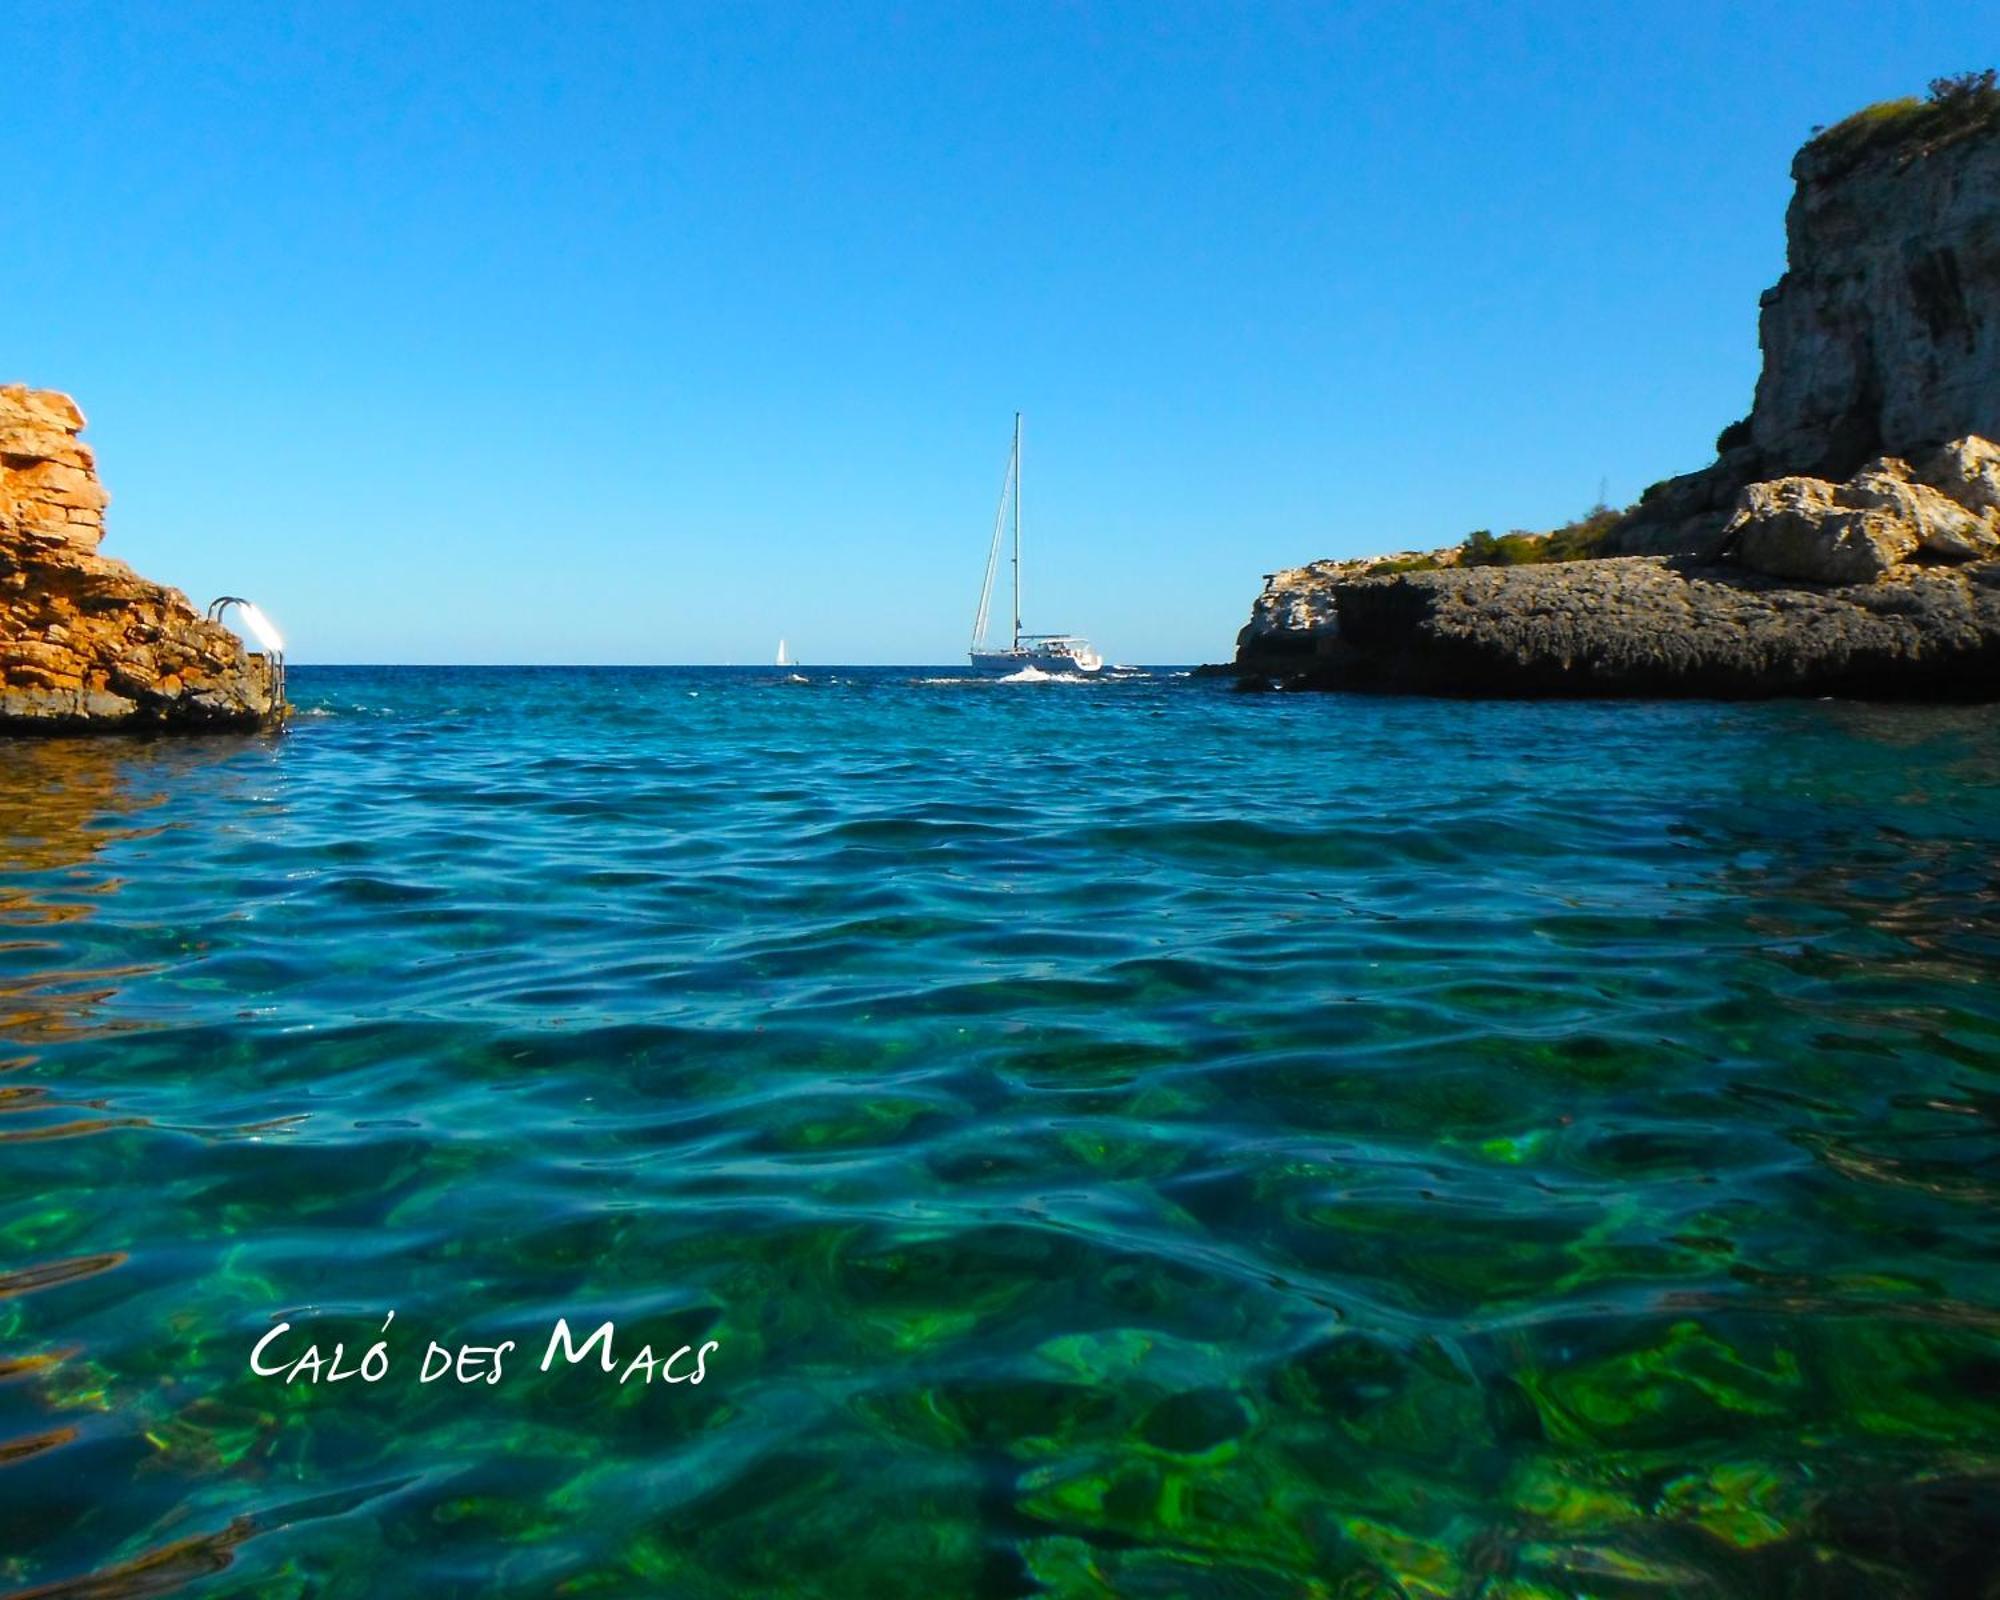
1108, 1138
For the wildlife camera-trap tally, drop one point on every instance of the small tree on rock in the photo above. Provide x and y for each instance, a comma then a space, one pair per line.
1964, 86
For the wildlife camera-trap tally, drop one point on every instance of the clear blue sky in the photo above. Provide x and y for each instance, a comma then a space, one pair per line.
594, 332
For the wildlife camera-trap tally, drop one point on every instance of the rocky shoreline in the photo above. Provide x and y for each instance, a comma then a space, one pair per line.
1883, 586
1653, 626
1846, 541
86, 644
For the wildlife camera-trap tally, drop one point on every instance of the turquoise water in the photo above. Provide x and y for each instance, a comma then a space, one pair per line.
1118, 1139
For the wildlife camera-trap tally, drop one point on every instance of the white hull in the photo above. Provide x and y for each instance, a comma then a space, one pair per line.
1049, 654
1002, 663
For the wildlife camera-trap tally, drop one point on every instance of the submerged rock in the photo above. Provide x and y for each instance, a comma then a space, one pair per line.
86, 644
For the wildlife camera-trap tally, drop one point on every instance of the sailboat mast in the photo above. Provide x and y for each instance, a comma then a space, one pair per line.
1017, 530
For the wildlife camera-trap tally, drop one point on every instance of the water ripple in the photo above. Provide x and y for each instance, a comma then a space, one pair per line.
1126, 1138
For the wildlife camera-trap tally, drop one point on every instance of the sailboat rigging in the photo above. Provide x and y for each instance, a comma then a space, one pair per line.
1045, 652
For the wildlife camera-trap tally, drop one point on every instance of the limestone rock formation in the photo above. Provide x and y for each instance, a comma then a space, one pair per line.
1801, 528
1855, 532
86, 644
1904, 599
1297, 608
1811, 557
1645, 626
1883, 334
1968, 471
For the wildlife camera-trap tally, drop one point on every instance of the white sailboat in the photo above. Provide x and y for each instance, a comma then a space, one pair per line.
783, 659
1044, 652
787, 660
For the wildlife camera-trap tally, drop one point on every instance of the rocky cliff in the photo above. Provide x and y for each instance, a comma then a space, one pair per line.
1882, 337
86, 644
1845, 540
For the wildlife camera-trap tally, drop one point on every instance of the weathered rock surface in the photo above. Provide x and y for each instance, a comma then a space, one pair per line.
1968, 471
1811, 557
1855, 532
86, 644
1903, 599
1298, 608
1883, 335
1800, 528
1646, 625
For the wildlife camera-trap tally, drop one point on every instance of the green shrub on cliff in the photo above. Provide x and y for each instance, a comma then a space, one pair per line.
1964, 86
1580, 540
1584, 538
1956, 107
1389, 565
1484, 549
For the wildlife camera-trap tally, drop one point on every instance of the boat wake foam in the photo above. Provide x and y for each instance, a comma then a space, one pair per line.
1025, 675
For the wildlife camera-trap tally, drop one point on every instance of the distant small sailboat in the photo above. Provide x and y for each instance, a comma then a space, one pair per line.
1062, 653
784, 660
